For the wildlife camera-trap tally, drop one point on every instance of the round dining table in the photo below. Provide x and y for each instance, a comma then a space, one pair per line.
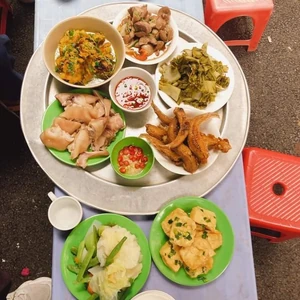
227, 191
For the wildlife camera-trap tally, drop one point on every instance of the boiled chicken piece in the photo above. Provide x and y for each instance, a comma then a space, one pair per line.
99, 109
67, 99
83, 157
107, 106
96, 127
80, 144
104, 140
104, 103
115, 123
54, 137
82, 114
100, 143
66, 125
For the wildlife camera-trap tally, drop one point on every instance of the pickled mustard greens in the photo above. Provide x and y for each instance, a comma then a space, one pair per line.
84, 56
193, 77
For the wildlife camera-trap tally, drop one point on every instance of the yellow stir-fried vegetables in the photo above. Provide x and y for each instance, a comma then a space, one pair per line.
84, 56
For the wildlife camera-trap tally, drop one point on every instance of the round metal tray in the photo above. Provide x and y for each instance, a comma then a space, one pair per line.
99, 186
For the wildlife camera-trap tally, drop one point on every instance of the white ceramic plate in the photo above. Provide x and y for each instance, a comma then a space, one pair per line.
211, 126
153, 294
222, 96
153, 59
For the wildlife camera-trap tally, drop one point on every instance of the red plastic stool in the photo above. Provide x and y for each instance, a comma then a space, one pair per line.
5, 8
218, 12
273, 192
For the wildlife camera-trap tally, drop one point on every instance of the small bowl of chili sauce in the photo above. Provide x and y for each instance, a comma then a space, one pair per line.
133, 89
132, 158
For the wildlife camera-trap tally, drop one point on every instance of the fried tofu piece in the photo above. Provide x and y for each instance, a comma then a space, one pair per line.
205, 217
193, 257
201, 242
170, 255
168, 221
215, 239
183, 231
204, 269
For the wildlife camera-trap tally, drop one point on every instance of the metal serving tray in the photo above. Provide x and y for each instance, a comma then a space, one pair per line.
99, 186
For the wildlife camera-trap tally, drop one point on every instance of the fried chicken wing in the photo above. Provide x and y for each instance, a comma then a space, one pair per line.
190, 163
196, 139
184, 126
163, 118
217, 143
156, 131
159, 145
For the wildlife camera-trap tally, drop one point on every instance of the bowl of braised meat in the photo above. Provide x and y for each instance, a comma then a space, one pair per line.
149, 33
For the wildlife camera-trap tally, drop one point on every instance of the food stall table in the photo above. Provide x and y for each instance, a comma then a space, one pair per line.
238, 280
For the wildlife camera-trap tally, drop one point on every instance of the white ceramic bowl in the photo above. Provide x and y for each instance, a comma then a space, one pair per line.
153, 295
153, 59
89, 24
64, 213
137, 73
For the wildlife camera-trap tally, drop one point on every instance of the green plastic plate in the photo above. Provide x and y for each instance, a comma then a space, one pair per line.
77, 235
223, 254
55, 109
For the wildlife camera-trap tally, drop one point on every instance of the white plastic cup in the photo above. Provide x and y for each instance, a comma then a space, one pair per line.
64, 212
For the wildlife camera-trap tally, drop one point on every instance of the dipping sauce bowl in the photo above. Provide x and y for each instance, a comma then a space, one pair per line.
133, 89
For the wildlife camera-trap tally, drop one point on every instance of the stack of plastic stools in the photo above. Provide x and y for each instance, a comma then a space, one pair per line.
218, 12
5, 8
273, 193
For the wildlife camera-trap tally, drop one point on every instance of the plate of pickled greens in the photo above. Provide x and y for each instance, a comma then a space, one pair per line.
106, 257
196, 76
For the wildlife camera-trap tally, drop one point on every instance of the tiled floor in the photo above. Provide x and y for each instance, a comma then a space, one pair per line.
272, 73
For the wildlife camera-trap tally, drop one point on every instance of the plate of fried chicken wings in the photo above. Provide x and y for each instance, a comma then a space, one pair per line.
185, 142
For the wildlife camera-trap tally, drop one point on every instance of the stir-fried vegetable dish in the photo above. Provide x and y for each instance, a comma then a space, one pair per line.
193, 77
84, 56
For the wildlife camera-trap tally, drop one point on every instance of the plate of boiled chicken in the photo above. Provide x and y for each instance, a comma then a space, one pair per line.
80, 128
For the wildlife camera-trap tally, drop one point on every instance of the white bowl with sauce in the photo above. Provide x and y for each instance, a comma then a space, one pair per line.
133, 89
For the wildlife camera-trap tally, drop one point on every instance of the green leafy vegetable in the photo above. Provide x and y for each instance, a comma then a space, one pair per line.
74, 250
85, 263
73, 268
93, 297
114, 252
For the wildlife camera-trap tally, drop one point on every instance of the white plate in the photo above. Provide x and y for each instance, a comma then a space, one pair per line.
153, 295
211, 126
153, 59
222, 96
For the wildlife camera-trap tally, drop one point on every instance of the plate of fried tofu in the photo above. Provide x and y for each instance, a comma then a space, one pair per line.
191, 241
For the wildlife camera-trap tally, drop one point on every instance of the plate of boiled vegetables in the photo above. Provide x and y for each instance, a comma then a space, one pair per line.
106, 257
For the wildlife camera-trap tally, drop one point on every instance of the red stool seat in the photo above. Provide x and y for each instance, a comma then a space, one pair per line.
273, 193
5, 8
218, 12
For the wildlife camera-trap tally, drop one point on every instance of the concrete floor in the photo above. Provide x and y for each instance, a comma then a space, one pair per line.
272, 73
